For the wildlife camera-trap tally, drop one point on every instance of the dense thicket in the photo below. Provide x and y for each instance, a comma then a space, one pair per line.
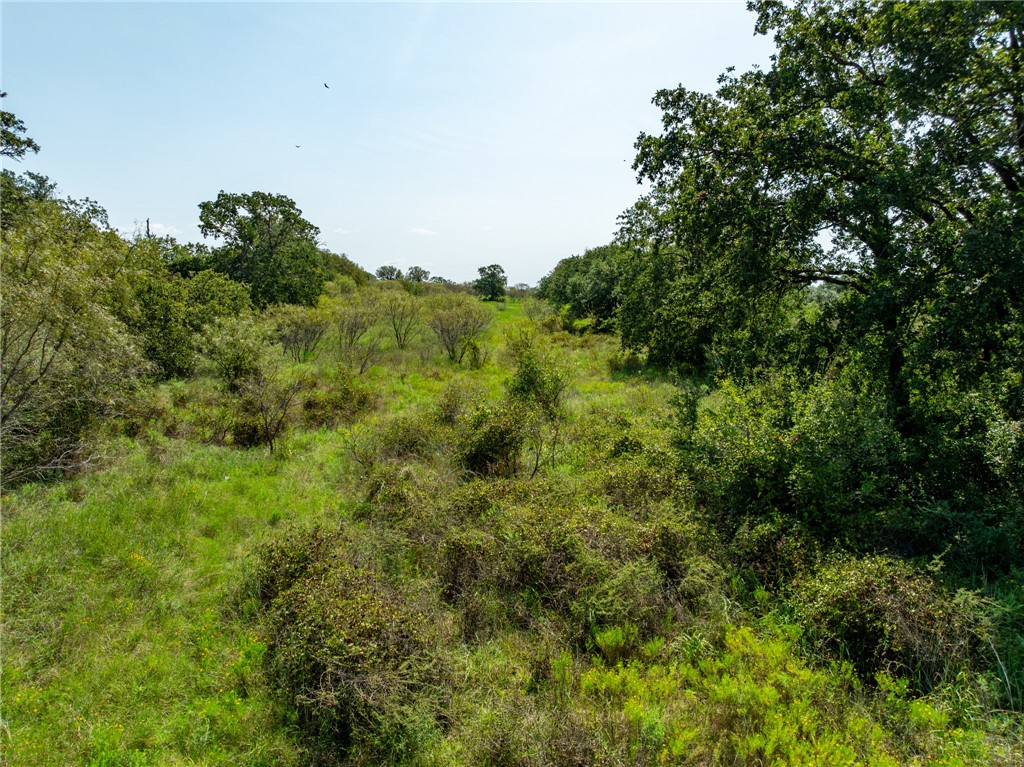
840, 236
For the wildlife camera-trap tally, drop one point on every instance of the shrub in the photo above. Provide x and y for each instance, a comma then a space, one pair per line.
493, 441
336, 400
537, 378
347, 649
235, 347
626, 362
262, 411
300, 330
456, 320
402, 313
883, 616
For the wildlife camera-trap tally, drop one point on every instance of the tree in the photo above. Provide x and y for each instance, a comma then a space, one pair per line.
458, 321
267, 244
586, 285
883, 153
417, 274
67, 360
388, 272
402, 312
340, 265
491, 283
13, 141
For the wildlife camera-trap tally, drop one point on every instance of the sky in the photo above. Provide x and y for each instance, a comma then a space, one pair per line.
449, 135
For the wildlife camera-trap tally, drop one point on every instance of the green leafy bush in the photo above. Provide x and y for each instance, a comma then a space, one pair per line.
882, 615
493, 440
235, 347
336, 399
300, 330
348, 650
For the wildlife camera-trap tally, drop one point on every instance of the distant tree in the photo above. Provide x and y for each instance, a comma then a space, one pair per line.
388, 272
458, 321
184, 258
439, 280
417, 274
586, 286
267, 244
13, 141
491, 284
402, 312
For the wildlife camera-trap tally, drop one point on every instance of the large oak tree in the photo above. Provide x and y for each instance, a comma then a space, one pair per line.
883, 153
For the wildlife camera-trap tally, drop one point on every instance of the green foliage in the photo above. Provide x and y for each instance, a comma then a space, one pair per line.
586, 286
417, 274
263, 409
235, 346
173, 311
340, 266
830, 458
867, 125
490, 285
346, 647
388, 272
336, 399
493, 440
401, 311
13, 141
301, 330
883, 616
267, 245
537, 379
457, 322
67, 358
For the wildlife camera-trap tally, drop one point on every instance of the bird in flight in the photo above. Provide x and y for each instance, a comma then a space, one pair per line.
328, 87
298, 146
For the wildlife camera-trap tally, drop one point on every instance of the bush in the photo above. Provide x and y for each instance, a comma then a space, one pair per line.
537, 379
883, 616
300, 330
235, 347
457, 320
262, 411
493, 441
347, 649
336, 400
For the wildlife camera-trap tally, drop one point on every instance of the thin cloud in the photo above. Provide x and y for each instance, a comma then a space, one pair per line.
422, 231
341, 230
160, 229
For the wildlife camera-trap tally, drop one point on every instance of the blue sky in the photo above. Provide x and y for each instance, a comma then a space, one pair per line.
453, 135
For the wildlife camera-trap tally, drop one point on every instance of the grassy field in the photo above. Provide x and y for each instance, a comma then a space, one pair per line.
572, 609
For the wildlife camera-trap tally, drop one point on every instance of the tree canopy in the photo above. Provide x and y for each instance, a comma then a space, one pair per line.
266, 244
491, 283
882, 153
13, 141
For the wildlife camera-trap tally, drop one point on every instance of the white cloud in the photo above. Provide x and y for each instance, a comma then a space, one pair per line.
160, 230
341, 230
421, 230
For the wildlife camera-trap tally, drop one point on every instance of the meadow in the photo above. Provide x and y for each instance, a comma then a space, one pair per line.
499, 562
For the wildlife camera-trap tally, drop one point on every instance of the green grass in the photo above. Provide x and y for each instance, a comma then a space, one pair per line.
131, 635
